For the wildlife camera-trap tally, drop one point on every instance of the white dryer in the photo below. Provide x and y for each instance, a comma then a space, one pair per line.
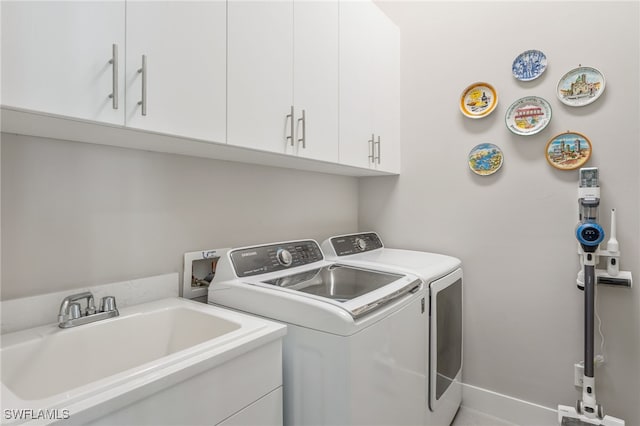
354, 349
442, 276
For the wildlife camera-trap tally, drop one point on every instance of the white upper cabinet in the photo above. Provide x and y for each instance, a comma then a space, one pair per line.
356, 83
306, 79
386, 95
56, 58
184, 46
316, 79
283, 65
260, 74
369, 87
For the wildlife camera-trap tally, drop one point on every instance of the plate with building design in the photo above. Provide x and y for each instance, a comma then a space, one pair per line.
528, 115
580, 86
478, 100
568, 151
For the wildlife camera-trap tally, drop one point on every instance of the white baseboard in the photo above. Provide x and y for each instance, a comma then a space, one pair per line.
514, 410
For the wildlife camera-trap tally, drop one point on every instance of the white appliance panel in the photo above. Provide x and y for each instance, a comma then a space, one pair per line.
445, 343
374, 377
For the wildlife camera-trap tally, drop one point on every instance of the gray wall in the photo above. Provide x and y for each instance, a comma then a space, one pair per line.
77, 214
514, 229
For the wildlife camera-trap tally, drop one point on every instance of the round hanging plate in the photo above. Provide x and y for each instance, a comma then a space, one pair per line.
568, 151
580, 86
485, 159
478, 100
529, 65
528, 116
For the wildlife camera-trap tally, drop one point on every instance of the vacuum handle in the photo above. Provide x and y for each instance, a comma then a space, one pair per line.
589, 312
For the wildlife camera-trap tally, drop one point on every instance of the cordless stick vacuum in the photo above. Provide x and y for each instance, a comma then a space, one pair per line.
589, 234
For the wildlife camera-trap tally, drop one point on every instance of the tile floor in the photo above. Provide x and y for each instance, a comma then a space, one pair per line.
470, 417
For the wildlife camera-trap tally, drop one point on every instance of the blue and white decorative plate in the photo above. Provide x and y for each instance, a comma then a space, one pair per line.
529, 65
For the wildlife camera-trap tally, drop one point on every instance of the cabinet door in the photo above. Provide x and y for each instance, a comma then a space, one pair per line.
55, 57
260, 74
267, 411
386, 93
356, 83
185, 48
316, 78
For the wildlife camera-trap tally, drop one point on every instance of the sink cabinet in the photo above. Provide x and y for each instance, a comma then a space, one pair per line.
246, 390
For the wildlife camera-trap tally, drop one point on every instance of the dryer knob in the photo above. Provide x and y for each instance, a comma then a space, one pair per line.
361, 244
284, 257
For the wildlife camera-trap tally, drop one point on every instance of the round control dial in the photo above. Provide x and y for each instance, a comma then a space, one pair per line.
284, 257
361, 244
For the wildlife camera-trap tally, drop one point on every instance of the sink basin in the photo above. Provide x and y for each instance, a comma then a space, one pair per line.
53, 367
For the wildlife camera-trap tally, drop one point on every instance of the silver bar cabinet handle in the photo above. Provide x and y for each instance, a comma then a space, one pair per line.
303, 139
291, 128
114, 75
371, 156
378, 144
143, 71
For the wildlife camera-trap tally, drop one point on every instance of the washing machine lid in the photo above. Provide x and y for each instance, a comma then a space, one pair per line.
367, 250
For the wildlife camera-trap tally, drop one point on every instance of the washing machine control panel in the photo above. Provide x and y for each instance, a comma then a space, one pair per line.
356, 243
274, 257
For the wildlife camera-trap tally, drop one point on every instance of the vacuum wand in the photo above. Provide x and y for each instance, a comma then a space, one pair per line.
590, 234
589, 310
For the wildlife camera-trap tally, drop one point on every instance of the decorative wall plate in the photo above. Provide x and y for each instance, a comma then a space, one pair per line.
528, 115
580, 86
485, 159
568, 151
529, 65
478, 100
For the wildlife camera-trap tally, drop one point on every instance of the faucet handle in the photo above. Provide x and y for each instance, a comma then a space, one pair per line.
108, 304
74, 310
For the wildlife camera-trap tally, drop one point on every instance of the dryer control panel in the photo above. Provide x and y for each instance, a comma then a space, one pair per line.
356, 243
274, 257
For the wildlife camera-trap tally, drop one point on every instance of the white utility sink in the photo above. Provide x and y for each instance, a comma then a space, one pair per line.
93, 365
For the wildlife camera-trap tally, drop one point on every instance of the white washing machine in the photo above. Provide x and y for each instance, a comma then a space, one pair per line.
354, 352
442, 276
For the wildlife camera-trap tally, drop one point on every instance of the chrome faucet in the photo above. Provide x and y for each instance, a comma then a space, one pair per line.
71, 313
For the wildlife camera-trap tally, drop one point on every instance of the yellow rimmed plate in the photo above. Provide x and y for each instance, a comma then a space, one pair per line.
478, 100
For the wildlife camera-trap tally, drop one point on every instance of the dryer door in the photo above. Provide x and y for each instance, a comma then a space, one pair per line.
445, 343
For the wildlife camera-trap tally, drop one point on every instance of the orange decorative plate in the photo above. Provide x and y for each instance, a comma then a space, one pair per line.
478, 100
568, 151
